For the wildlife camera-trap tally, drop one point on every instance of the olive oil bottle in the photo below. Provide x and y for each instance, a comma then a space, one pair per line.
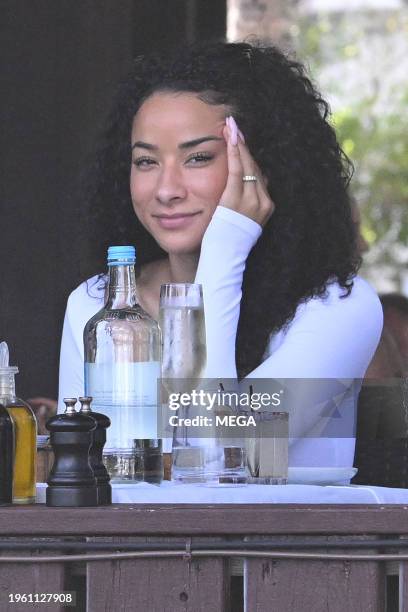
25, 433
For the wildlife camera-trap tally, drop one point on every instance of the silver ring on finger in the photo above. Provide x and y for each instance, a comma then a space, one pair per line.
249, 178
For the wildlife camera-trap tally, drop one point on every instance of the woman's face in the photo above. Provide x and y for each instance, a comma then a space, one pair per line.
179, 168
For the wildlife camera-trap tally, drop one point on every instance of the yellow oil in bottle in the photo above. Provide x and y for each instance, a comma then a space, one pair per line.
25, 428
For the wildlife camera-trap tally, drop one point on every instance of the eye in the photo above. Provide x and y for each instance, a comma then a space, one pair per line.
143, 162
199, 158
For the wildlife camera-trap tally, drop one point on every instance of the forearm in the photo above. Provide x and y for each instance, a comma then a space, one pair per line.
71, 372
226, 245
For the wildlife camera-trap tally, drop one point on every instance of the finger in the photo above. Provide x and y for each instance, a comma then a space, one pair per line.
248, 197
256, 190
238, 195
262, 182
252, 190
248, 163
234, 186
251, 168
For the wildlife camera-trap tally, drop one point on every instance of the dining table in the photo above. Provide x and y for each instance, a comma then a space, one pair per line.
188, 547
173, 493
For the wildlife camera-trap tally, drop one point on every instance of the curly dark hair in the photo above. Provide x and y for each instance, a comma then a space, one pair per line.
308, 241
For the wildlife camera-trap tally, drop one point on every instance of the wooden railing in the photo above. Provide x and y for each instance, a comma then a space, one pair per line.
187, 557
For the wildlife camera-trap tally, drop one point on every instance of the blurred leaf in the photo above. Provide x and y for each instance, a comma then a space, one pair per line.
370, 114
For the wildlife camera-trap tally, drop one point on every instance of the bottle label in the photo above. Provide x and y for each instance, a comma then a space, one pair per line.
127, 393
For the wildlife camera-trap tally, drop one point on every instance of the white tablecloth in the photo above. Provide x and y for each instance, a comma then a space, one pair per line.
169, 493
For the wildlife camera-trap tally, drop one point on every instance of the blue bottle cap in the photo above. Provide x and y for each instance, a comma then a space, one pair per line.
121, 255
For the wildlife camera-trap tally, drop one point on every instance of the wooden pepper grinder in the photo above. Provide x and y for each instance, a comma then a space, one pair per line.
103, 487
71, 481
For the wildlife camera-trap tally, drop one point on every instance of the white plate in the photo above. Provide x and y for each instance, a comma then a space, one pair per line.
320, 475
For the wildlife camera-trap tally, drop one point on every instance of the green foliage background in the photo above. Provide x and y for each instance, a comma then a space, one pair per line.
360, 58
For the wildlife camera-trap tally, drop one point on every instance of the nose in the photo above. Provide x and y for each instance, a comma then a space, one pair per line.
170, 188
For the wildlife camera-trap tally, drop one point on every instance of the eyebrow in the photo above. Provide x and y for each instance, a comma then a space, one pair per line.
184, 145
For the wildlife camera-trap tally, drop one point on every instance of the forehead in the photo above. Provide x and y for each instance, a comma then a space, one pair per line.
177, 110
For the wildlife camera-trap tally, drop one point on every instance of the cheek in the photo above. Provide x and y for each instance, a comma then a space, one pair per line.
211, 184
140, 191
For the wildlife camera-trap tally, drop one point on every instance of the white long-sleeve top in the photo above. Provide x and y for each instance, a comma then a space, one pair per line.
329, 338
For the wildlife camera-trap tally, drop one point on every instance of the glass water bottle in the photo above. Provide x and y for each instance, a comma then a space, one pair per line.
25, 431
122, 347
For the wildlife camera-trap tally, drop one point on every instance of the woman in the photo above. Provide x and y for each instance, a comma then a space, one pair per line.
259, 214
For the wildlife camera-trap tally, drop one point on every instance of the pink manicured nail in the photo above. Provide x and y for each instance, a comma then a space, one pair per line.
228, 124
240, 134
234, 130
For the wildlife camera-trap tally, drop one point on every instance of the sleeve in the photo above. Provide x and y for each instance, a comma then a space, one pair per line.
82, 304
226, 245
71, 370
333, 337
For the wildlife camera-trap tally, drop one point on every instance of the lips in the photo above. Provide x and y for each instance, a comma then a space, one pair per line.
176, 221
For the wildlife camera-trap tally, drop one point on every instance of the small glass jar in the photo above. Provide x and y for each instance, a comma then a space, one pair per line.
45, 458
148, 458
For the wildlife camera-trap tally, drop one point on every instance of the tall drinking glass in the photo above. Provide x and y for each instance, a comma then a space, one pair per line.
182, 323
184, 357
